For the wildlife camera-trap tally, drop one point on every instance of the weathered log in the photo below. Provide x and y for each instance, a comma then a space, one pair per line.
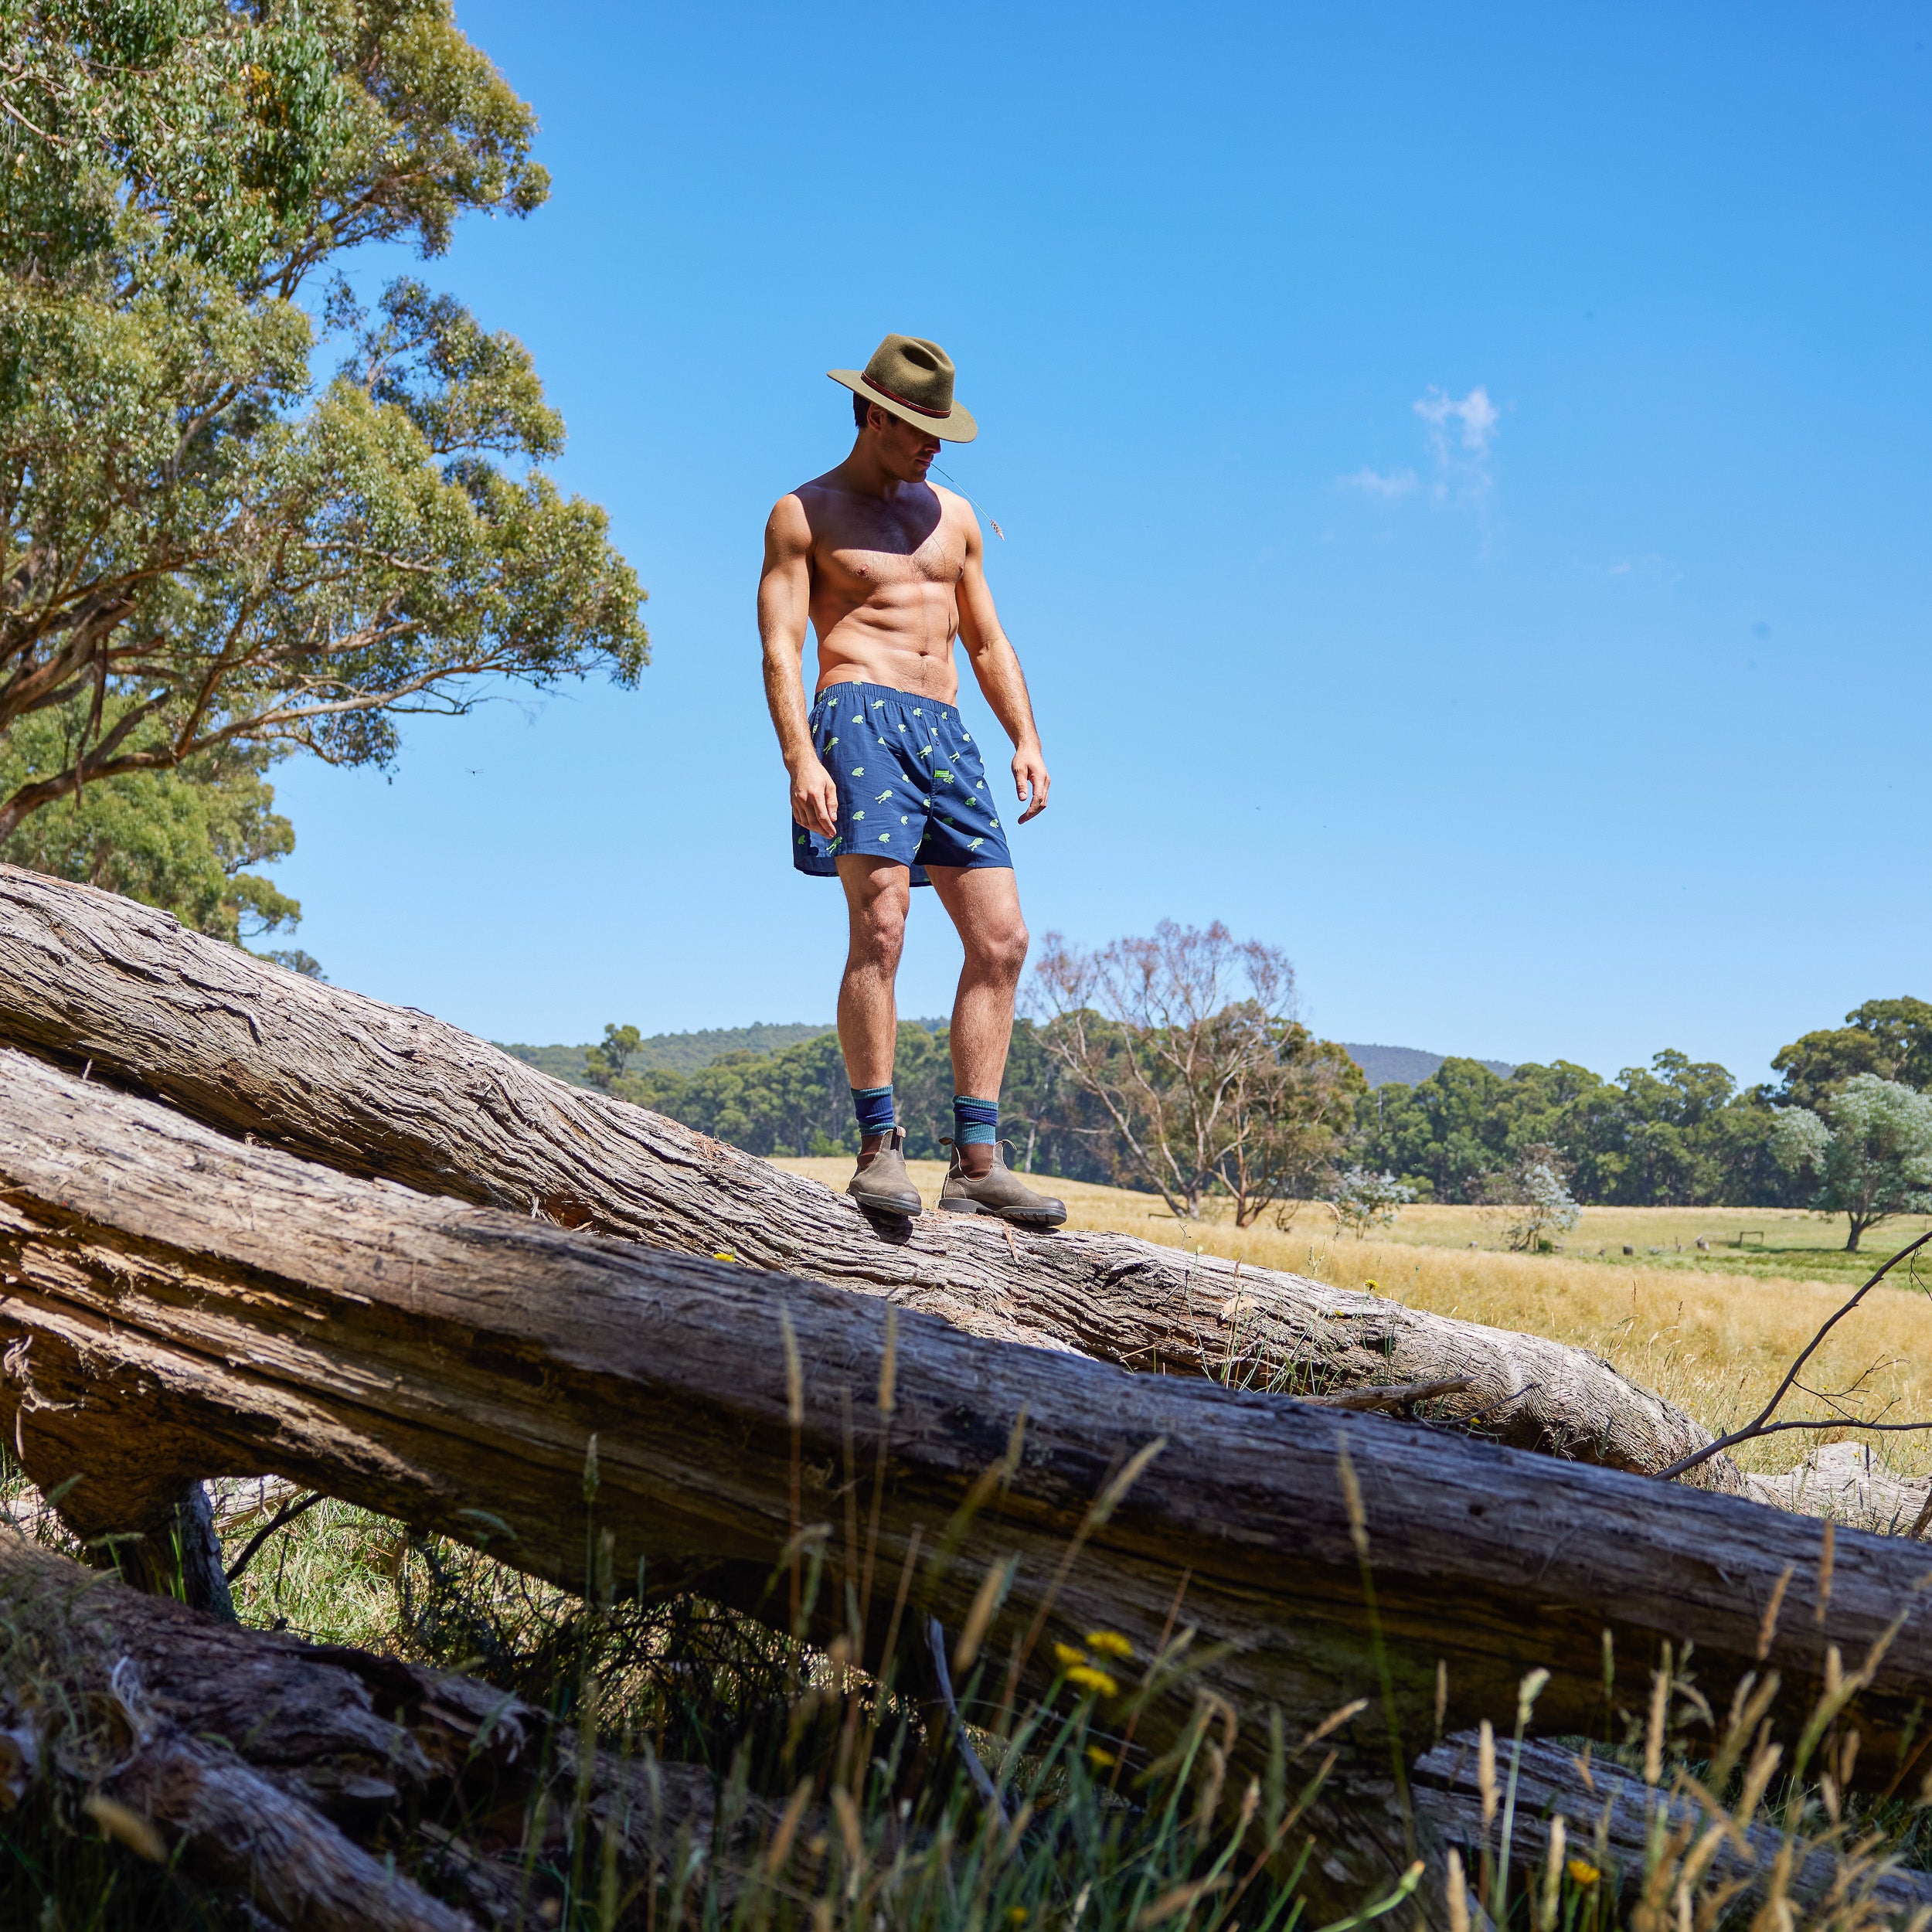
93, 980
1609, 1813
287, 1773
177, 1303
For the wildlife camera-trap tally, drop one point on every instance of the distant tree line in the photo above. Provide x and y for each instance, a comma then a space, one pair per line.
797, 1101
1848, 1128
1173, 1064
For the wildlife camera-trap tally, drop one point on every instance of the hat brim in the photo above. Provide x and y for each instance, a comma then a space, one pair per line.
957, 427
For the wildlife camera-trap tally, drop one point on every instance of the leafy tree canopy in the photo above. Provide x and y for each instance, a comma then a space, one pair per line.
182, 839
204, 549
1676, 1131
1888, 1039
1867, 1153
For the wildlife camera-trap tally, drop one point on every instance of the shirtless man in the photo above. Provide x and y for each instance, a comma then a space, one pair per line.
887, 788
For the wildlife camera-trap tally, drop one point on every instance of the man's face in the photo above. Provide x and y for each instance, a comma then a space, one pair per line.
907, 452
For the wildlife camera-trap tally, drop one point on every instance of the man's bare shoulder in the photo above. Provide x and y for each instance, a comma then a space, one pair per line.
806, 509
953, 508
789, 526
823, 488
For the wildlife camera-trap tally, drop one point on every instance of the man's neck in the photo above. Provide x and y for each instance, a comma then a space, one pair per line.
863, 474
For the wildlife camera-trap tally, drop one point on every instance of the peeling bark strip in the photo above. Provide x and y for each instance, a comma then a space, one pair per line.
175, 1303
382, 1092
280, 1772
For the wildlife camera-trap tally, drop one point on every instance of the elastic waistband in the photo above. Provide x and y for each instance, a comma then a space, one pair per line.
888, 696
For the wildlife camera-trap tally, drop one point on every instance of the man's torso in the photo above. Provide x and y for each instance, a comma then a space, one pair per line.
885, 580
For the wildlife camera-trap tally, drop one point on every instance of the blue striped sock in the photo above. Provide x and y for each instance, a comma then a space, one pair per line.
975, 1123
874, 1106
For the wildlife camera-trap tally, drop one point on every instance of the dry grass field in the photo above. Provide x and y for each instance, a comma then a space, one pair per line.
1712, 1330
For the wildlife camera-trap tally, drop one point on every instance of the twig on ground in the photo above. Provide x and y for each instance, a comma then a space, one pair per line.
982, 1782
1762, 1425
282, 1517
1395, 1395
1923, 1518
1501, 1402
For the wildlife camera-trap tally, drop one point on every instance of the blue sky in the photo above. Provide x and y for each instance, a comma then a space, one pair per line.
1463, 470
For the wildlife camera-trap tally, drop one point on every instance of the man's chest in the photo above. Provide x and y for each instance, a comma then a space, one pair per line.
870, 557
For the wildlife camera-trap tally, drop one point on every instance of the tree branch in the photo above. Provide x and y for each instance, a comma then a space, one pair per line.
1763, 1425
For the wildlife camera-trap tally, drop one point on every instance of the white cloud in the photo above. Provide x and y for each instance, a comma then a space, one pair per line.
1396, 483
1461, 430
1478, 417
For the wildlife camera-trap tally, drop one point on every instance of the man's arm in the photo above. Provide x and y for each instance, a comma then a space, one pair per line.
785, 612
996, 665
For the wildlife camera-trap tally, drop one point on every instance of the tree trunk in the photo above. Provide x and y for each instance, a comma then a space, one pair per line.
286, 1774
179, 1304
173, 1550
94, 981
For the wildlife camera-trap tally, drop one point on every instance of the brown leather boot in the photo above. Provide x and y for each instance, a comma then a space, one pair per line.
881, 1183
999, 1192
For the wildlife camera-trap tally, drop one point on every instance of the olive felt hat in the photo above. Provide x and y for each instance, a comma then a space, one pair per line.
912, 379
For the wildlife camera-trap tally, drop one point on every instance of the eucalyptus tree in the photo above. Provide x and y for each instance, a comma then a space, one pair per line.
1868, 1150
1187, 1041
206, 546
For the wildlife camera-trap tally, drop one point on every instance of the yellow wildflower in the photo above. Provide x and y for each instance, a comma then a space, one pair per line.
1582, 1872
1068, 1656
1101, 1759
1110, 1642
1087, 1677
724, 1254
1374, 1287
1016, 1915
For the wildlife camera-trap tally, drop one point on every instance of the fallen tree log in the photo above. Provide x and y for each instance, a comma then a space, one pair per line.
298, 1777
1612, 1817
174, 1304
98, 981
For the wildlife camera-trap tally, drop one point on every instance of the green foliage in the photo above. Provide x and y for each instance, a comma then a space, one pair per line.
670, 1053
1536, 1195
180, 839
603, 1067
203, 548
1365, 1202
1674, 1133
1890, 1038
798, 1101
296, 961
1869, 1156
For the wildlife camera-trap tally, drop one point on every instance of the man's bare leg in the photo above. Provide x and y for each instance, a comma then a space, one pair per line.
878, 893
983, 902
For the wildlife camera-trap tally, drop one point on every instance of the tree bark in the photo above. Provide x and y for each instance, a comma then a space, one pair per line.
287, 1775
94, 981
176, 1304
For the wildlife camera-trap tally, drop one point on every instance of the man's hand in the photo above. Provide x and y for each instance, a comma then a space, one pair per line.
1030, 778
814, 798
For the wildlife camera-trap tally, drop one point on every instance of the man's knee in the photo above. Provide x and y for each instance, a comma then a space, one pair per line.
1000, 948
878, 928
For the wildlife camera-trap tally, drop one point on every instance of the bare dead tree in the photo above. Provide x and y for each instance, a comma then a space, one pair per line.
1188, 1038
